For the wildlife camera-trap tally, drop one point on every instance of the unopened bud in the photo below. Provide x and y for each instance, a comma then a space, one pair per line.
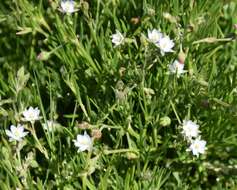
84, 125
151, 11
96, 134
181, 57
43, 56
169, 17
143, 40
122, 70
165, 121
132, 156
135, 20
149, 91
120, 95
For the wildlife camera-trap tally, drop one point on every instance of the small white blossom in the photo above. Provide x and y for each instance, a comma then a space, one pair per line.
117, 38
32, 114
165, 44
50, 125
154, 36
177, 68
197, 147
190, 129
68, 6
83, 142
16, 133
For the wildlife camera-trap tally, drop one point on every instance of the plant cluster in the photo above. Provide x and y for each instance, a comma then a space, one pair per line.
113, 94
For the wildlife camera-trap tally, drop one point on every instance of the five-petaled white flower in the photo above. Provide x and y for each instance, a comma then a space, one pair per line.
197, 147
50, 125
190, 129
32, 114
83, 142
165, 44
16, 133
117, 38
177, 68
67, 6
154, 36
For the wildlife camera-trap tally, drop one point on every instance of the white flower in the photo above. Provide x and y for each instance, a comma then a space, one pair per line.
50, 125
68, 6
176, 68
154, 36
32, 114
16, 133
190, 129
197, 147
165, 44
117, 38
83, 142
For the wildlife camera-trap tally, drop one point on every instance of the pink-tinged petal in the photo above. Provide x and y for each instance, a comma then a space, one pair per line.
20, 128
24, 113
12, 127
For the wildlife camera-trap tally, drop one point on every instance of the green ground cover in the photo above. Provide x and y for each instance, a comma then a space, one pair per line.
118, 94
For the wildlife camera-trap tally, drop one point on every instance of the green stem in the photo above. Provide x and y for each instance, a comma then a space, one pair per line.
175, 112
120, 151
32, 47
39, 146
18, 152
84, 182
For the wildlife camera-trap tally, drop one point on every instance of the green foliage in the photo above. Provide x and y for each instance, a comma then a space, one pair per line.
66, 65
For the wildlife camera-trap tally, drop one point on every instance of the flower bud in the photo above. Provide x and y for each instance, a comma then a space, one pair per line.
43, 56
151, 12
135, 20
131, 156
96, 134
169, 17
122, 70
84, 125
165, 121
181, 57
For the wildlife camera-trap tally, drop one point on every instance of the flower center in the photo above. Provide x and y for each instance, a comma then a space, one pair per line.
67, 6
31, 115
164, 45
84, 142
196, 146
17, 134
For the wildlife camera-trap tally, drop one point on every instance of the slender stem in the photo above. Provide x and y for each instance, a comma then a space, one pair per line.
175, 112
18, 152
144, 67
32, 47
120, 151
84, 182
40, 147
